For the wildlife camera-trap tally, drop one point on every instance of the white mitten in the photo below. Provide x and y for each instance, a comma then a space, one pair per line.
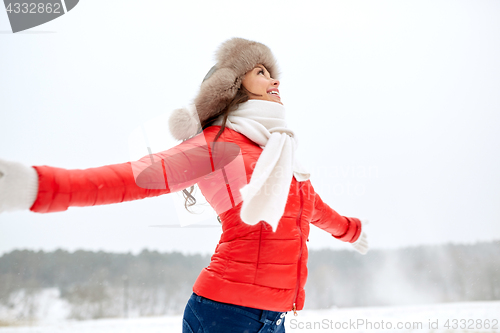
361, 244
18, 186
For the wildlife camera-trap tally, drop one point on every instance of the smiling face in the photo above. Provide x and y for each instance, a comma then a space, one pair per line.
258, 81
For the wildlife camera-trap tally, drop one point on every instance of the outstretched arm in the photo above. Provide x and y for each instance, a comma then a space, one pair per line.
169, 171
62, 188
347, 229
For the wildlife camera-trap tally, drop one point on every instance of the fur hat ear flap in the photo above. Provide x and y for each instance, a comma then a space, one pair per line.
184, 123
216, 92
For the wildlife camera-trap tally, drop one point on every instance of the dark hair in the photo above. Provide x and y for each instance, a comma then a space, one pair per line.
242, 95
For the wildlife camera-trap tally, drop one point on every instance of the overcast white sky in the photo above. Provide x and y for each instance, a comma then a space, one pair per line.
396, 105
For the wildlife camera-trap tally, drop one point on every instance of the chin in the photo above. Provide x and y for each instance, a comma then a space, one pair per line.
272, 100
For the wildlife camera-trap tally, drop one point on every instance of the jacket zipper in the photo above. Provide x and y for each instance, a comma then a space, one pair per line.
294, 306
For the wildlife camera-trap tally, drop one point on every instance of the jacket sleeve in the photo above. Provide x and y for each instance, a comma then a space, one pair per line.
60, 188
172, 170
346, 229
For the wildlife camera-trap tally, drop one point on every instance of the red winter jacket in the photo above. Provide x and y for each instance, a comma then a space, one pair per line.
252, 265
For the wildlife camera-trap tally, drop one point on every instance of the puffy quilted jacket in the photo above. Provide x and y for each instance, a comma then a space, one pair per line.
252, 265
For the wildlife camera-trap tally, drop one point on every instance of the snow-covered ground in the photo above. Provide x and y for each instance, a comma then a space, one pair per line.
470, 317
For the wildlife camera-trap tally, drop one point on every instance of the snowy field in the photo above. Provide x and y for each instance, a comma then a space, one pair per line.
470, 317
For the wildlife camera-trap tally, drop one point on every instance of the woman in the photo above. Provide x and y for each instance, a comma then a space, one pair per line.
237, 148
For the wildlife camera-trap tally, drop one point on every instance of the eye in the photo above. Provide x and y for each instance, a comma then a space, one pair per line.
261, 71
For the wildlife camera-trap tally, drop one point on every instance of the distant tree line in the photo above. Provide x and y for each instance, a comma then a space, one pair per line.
412, 275
100, 284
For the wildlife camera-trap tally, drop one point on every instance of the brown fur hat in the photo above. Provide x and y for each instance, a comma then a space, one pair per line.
235, 57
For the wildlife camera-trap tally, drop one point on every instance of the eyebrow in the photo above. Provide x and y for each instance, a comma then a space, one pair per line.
261, 67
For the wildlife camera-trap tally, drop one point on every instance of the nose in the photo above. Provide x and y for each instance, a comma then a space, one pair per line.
275, 83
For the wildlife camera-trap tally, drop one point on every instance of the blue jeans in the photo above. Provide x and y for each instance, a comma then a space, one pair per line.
202, 315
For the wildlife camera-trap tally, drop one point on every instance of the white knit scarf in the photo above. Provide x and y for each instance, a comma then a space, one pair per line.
265, 197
